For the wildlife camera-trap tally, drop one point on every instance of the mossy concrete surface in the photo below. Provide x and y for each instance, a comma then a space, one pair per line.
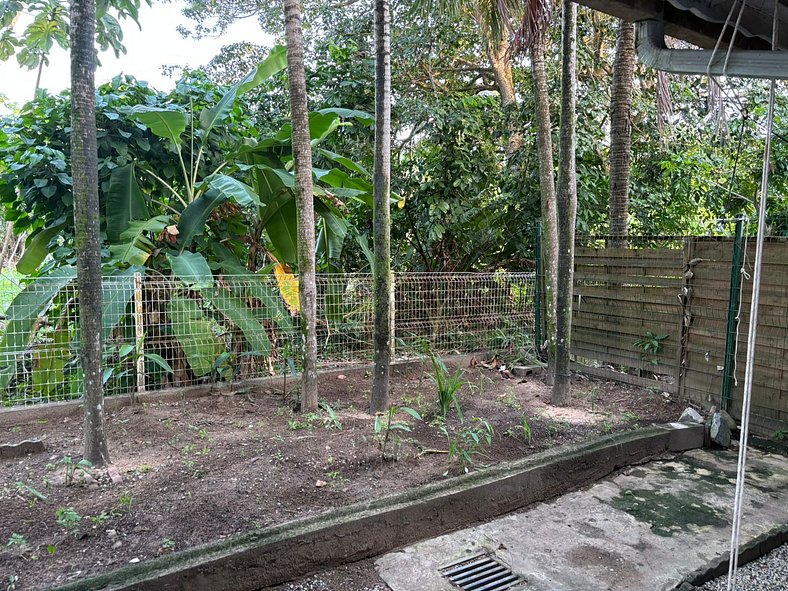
646, 528
278, 554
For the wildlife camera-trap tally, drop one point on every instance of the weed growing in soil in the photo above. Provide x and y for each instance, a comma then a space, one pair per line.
28, 492
168, 545
448, 384
68, 519
72, 468
386, 429
330, 421
467, 443
526, 430
16, 540
125, 502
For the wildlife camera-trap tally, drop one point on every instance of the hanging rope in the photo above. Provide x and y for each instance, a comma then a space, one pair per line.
753, 330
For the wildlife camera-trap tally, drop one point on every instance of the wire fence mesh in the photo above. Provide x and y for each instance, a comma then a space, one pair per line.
161, 332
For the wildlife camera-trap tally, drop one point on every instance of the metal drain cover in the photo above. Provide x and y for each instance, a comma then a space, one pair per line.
480, 573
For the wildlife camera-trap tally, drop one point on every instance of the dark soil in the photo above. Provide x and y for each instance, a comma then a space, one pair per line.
202, 470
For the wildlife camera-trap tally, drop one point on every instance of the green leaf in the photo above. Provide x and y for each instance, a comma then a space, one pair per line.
234, 189
194, 333
196, 214
125, 202
134, 248
160, 361
333, 229
25, 309
192, 269
322, 125
165, 123
344, 161
239, 314
361, 116
117, 291
281, 228
49, 359
37, 249
275, 62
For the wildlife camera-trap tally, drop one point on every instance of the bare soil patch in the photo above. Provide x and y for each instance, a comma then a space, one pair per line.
205, 469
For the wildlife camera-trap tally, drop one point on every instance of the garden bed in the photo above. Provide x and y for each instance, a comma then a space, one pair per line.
205, 469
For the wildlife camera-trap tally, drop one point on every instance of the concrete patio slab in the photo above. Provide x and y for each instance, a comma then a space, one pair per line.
646, 528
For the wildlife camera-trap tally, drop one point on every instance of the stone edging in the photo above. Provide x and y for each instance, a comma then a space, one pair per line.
277, 554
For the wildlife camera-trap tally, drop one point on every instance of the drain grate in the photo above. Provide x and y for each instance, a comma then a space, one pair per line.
480, 573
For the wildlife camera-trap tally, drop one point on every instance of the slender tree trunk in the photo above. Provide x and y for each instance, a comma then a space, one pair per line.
7, 240
544, 141
664, 106
382, 215
84, 172
501, 65
302, 155
566, 207
621, 131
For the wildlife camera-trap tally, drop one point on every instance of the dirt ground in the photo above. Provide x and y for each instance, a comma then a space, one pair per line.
205, 469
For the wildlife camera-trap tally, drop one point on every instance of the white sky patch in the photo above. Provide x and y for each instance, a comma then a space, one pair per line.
157, 44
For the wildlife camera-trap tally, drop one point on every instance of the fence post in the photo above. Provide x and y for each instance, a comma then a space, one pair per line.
139, 333
538, 283
733, 316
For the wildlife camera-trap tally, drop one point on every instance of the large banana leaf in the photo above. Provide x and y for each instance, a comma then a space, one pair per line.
345, 161
275, 62
134, 248
49, 360
236, 310
38, 248
233, 189
333, 229
22, 314
165, 123
361, 116
193, 218
192, 269
117, 291
194, 332
125, 202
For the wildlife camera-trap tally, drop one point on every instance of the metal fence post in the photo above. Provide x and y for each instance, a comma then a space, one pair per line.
538, 283
139, 332
733, 316
392, 313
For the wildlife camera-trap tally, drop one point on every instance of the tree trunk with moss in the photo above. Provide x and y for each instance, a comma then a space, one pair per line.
87, 236
302, 156
382, 215
566, 207
621, 131
544, 141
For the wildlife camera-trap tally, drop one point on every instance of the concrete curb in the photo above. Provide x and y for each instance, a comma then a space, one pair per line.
58, 410
753, 550
275, 555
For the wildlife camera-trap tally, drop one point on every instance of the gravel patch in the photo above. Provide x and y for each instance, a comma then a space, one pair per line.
767, 573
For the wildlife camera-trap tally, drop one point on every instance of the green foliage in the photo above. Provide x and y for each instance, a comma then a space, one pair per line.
16, 540
69, 520
27, 491
447, 383
468, 442
72, 467
650, 345
387, 430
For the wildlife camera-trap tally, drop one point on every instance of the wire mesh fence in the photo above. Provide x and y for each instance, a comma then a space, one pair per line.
161, 332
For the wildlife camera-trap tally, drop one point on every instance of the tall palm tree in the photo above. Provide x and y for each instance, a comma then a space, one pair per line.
84, 172
544, 141
621, 130
302, 155
382, 215
566, 207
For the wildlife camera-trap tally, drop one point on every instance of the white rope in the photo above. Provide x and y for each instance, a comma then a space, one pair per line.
753, 330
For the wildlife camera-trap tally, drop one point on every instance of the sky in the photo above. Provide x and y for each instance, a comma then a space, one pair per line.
157, 44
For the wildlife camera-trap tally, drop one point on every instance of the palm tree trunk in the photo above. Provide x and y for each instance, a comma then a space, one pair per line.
566, 207
544, 141
84, 172
302, 155
621, 131
382, 214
